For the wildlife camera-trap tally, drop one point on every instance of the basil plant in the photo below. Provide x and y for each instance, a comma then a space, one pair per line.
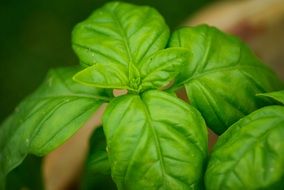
151, 139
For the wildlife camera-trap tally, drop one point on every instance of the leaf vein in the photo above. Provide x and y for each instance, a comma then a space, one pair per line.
84, 110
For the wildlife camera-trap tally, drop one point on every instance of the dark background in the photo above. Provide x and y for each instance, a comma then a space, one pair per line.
35, 36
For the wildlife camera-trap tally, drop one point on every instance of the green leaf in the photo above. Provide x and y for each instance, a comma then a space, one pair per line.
222, 77
277, 96
119, 36
155, 141
47, 118
250, 154
103, 76
120, 33
97, 170
162, 67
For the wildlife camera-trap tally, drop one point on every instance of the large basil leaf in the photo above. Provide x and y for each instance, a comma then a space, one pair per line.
119, 36
277, 96
222, 77
97, 170
155, 141
250, 154
47, 118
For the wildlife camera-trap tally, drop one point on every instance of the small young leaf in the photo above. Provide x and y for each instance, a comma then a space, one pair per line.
250, 154
120, 36
97, 170
103, 76
47, 118
222, 77
155, 141
277, 96
162, 67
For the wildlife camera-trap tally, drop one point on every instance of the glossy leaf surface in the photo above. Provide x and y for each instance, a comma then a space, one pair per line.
103, 76
277, 96
97, 170
155, 141
119, 36
154, 72
222, 77
250, 154
162, 67
47, 118
120, 33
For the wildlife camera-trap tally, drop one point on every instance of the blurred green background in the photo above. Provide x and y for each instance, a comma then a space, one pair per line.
35, 36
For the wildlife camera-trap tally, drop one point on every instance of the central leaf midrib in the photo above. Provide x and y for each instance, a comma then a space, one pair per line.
95, 51
52, 109
204, 61
84, 110
124, 39
15, 136
160, 68
156, 140
48, 115
70, 92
